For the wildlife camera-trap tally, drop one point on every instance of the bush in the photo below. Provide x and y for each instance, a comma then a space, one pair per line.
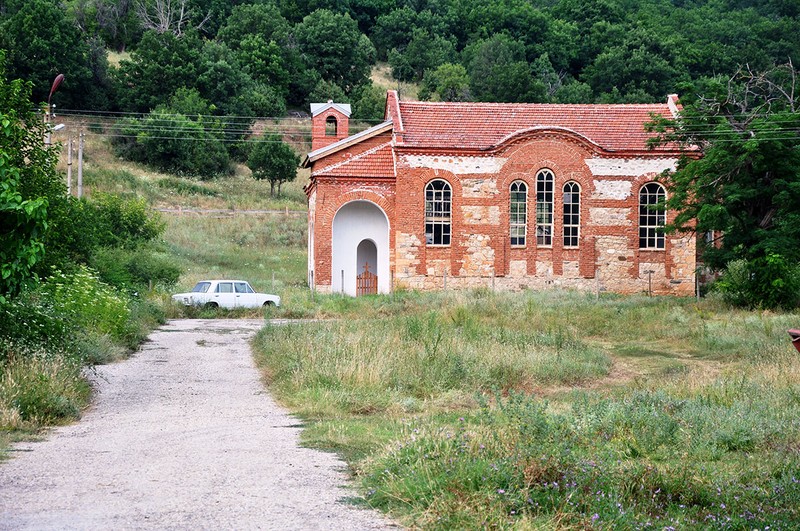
174, 143
135, 270
31, 323
123, 222
87, 302
765, 282
38, 388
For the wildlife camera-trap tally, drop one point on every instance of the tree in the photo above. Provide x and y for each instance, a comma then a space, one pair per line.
273, 160
163, 16
41, 42
161, 64
170, 141
745, 189
448, 82
499, 72
423, 52
24, 162
332, 45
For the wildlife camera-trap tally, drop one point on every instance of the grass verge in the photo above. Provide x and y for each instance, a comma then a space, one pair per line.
550, 410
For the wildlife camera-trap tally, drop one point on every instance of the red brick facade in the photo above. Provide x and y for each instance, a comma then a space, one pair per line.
479, 150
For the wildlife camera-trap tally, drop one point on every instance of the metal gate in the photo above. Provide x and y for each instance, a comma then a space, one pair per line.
366, 282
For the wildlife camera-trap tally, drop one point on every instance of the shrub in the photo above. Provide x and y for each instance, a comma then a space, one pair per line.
766, 282
38, 388
135, 270
31, 323
123, 222
86, 301
174, 143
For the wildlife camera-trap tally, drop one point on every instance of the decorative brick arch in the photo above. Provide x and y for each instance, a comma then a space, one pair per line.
325, 215
332, 205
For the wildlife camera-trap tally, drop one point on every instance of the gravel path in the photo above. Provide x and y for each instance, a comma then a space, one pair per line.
182, 435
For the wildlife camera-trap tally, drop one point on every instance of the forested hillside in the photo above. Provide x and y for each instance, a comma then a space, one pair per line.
258, 58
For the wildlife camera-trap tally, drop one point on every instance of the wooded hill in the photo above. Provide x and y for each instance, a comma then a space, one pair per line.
261, 57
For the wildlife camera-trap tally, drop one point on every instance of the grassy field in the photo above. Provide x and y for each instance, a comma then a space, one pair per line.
551, 410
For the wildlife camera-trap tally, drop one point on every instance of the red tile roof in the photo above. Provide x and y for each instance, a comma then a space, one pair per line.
375, 162
480, 126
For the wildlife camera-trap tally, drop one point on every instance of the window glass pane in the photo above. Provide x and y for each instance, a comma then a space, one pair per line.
437, 213
651, 216
572, 217
518, 212
224, 287
544, 207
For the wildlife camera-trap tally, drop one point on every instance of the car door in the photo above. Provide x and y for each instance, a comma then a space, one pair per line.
245, 297
224, 295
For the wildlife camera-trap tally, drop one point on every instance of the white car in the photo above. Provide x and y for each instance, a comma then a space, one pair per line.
226, 294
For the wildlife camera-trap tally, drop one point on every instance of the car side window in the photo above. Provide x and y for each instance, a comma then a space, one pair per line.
241, 287
224, 287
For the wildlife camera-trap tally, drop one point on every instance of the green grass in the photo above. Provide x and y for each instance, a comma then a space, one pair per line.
527, 410
550, 410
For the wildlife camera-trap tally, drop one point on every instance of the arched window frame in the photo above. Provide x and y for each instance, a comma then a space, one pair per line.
438, 213
652, 218
331, 126
571, 228
518, 213
545, 186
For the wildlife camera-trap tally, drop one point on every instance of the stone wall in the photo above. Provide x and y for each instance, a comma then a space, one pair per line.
607, 258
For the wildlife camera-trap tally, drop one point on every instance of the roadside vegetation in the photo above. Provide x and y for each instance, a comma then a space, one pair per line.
551, 410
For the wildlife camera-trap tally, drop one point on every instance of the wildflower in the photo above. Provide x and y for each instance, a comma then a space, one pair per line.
501, 491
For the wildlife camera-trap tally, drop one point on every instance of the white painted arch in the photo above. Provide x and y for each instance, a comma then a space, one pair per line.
358, 226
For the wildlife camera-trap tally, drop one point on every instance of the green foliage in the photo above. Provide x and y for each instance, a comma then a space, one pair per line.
135, 271
642, 68
369, 103
423, 52
765, 282
42, 42
746, 186
175, 143
160, 65
498, 71
123, 222
273, 160
83, 299
28, 182
333, 46
448, 82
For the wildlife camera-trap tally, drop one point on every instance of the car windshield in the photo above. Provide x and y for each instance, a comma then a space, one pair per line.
201, 287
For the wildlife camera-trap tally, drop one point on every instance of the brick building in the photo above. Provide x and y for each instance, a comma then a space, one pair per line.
510, 196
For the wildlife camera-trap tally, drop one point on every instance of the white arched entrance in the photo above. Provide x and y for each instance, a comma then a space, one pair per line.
360, 234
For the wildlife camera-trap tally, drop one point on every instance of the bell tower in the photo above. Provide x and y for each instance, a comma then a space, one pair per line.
330, 123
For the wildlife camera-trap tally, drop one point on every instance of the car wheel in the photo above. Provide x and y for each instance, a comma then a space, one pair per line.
269, 303
212, 305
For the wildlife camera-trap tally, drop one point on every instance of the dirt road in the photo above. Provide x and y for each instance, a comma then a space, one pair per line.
180, 436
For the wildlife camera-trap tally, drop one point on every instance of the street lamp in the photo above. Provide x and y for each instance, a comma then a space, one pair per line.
56, 83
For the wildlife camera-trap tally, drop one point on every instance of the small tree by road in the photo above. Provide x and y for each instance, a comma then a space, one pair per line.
273, 160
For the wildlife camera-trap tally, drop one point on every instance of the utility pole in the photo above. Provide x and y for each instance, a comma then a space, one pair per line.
80, 163
69, 165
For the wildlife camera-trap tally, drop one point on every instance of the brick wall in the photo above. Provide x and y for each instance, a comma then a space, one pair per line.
607, 258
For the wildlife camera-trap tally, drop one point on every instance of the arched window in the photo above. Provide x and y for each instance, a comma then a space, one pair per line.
437, 212
544, 207
331, 126
652, 217
518, 215
572, 214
